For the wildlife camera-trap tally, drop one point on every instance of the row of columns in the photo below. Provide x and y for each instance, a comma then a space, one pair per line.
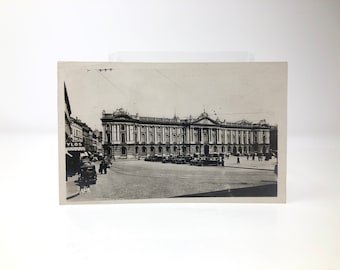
154, 134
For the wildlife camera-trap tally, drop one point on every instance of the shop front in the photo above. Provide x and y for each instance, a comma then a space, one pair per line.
73, 151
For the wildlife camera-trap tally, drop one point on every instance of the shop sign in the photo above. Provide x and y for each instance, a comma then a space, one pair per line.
74, 144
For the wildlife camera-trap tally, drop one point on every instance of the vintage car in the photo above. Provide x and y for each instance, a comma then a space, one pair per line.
197, 161
188, 158
87, 175
210, 160
154, 158
180, 160
213, 160
147, 158
167, 159
157, 158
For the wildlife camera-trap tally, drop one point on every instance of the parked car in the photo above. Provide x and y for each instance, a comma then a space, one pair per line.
212, 160
197, 161
165, 159
188, 158
147, 158
154, 158
87, 175
180, 160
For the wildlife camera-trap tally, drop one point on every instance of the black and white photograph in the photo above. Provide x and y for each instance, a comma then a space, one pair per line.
170, 135
178, 132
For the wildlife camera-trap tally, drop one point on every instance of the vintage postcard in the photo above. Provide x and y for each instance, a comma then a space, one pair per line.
172, 132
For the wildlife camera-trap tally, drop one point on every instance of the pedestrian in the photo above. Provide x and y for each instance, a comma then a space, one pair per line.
238, 160
105, 167
101, 166
222, 161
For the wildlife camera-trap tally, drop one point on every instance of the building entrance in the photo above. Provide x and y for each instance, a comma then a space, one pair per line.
206, 149
123, 151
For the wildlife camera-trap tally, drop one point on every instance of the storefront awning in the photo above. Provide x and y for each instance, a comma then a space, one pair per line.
75, 149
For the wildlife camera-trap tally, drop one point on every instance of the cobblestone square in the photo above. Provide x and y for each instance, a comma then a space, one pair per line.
138, 179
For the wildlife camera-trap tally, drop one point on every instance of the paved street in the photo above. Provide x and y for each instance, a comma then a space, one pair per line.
137, 179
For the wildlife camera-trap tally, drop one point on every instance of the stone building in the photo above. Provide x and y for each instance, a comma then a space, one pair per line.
77, 130
98, 135
129, 136
273, 138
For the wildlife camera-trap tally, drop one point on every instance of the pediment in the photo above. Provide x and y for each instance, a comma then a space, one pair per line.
205, 121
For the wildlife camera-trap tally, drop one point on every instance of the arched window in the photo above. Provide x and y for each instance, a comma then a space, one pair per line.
223, 149
215, 148
160, 149
197, 148
152, 148
144, 149
123, 151
136, 149
123, 138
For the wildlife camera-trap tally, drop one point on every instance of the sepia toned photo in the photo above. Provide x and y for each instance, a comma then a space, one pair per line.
172, 132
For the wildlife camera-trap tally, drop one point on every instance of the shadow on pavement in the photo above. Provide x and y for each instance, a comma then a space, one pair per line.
259, 191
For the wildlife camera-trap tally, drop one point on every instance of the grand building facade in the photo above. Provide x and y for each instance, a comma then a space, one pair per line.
131, 136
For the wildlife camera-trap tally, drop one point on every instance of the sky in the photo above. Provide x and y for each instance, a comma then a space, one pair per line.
229, 91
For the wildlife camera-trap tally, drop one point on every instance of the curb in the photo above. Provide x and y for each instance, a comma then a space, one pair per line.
73, 195
248, 168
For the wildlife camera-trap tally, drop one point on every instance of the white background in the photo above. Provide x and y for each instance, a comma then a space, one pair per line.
37, 233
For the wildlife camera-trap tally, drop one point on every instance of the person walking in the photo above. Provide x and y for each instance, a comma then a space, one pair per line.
101, 166
105, 167
238, 159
